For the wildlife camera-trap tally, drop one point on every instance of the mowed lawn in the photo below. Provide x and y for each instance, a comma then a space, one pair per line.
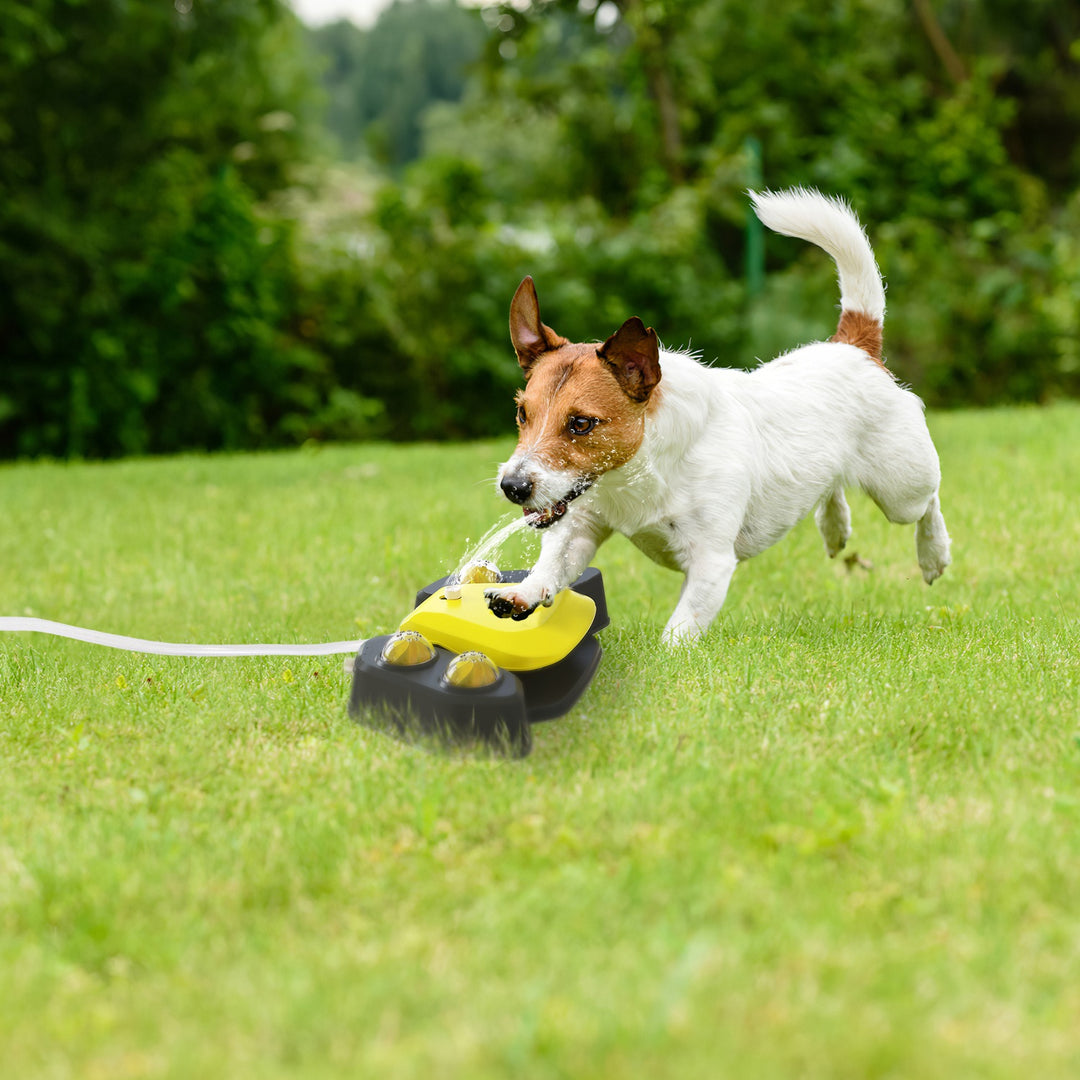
840, 838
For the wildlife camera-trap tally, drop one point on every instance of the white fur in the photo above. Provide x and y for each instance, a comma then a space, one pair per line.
732, 460
831, 224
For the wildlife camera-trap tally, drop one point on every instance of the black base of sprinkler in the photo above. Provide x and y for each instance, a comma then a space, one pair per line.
417, 702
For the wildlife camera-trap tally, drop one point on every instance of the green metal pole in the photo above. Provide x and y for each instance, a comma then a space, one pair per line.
755, 231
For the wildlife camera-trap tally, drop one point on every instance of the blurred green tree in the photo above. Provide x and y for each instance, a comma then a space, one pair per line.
144, 303
379, 81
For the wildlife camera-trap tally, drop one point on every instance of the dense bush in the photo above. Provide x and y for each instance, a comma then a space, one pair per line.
144, 304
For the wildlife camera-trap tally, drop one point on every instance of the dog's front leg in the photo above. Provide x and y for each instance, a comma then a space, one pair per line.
566, 550
702, 596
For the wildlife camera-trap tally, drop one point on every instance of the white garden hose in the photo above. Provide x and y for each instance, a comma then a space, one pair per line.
168, 648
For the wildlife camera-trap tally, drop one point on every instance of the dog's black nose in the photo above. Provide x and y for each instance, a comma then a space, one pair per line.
517, 489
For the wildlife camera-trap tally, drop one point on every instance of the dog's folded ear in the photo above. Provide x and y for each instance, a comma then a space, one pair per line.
530, 336
632, 354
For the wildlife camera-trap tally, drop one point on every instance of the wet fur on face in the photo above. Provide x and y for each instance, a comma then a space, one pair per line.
568, 390
582, 410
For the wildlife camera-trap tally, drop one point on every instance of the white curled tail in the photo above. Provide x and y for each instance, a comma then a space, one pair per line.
832, 225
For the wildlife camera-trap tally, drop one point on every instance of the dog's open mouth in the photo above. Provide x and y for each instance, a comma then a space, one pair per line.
541, 519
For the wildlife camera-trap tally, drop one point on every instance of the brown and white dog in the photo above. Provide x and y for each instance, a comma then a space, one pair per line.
704, 467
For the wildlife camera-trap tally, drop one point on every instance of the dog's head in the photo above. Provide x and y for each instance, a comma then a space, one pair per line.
581, 412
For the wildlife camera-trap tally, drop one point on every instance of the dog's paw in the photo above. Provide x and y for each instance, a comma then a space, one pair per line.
678, 635
932, 571
516, 601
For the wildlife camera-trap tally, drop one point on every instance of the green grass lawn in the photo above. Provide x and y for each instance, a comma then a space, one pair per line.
840, 838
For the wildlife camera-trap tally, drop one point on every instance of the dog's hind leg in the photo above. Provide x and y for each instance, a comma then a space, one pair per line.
907, 501
901, 473
833, 518
932, 542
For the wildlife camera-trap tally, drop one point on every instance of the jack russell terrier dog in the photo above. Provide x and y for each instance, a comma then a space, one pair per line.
704, 467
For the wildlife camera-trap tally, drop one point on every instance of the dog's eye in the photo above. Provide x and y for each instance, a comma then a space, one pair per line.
521, 414
581, 425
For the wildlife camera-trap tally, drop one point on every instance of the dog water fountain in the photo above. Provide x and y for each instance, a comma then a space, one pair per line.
457, 672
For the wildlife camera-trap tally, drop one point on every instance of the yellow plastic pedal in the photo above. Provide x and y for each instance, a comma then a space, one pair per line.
547, 636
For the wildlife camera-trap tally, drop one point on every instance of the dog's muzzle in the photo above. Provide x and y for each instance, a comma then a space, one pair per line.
542, 519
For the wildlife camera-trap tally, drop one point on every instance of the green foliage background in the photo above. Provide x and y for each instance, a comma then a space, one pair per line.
218, 229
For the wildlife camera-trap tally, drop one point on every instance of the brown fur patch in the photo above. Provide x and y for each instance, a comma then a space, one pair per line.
861, 330
633, 354
530, 336
573, 381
